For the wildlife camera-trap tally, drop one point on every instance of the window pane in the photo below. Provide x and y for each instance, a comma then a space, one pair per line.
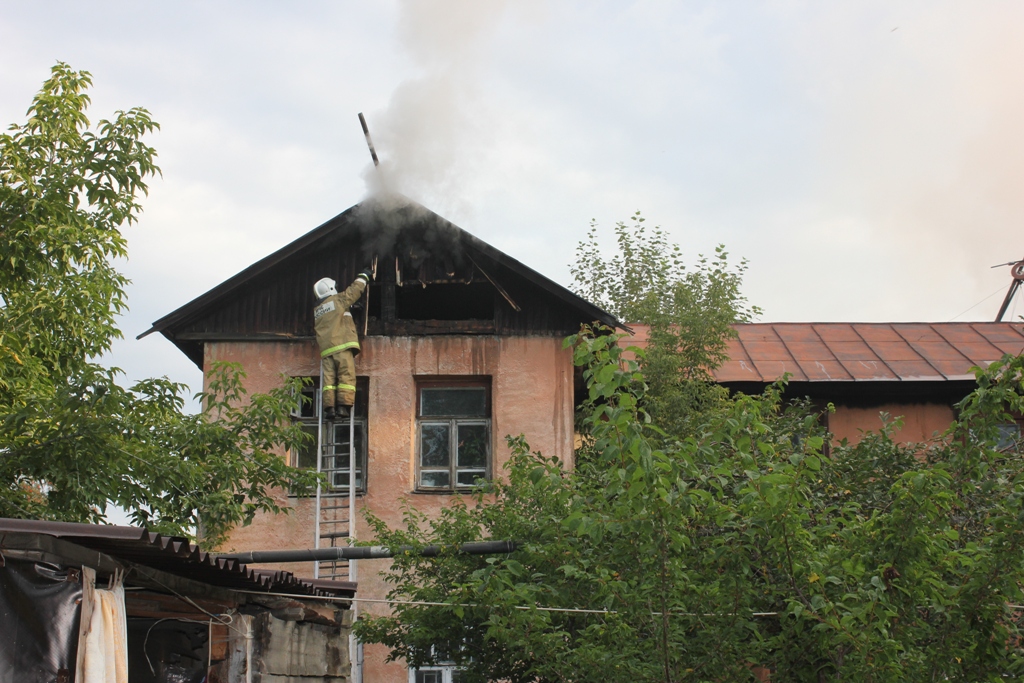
336, 461
469, 477
456, 675
339, 463
340, 479
308, 407
472, 445
454, 401
1009, 434
434, 451
440, 479
341, 434
428, 677
341, 438
306, 455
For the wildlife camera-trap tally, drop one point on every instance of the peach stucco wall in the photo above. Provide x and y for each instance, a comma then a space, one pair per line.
921, 421
531, 394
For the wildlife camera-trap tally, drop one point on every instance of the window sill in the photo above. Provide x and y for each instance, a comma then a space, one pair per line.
359, 494
443, 492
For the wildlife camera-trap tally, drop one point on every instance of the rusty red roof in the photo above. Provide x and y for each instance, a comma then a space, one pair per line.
863, 352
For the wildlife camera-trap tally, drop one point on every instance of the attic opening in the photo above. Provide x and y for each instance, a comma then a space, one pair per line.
438, 286
473, 301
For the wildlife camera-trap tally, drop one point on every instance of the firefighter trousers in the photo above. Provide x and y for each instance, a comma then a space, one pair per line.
339, 379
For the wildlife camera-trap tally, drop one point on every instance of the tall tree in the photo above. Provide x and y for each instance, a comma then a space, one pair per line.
72, 439
689, 313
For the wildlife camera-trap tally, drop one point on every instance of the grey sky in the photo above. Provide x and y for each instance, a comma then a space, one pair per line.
866, 157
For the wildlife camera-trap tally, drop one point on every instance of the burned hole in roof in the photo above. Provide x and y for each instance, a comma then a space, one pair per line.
440, 287
445, 301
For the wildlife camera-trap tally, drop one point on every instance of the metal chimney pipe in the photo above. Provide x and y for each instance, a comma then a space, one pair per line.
369, 142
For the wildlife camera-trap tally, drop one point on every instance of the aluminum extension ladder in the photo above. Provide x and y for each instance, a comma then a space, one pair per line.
335, 502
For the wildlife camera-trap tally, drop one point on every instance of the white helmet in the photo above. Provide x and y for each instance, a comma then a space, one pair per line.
324, 288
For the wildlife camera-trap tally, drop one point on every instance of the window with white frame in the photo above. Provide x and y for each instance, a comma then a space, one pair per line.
435, 674
443, 670
336, 440
454, 433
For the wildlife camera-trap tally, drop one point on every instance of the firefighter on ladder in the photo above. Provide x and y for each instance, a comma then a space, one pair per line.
338, 340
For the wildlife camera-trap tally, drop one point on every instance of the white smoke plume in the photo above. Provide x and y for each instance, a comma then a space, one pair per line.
429, 136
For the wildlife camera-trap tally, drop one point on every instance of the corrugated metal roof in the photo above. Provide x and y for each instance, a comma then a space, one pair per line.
174, 555
863, 352
837, 352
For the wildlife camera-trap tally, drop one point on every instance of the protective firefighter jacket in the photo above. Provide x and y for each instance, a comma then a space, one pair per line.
335, 329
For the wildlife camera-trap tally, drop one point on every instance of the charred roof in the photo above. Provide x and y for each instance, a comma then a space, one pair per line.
432, 278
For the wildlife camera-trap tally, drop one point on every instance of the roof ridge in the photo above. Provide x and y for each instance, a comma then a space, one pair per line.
227, 287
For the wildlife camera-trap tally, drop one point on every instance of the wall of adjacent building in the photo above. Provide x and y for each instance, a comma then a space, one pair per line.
921, 421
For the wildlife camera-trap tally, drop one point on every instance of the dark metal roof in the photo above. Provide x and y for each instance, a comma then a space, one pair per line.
174, 555
355, 223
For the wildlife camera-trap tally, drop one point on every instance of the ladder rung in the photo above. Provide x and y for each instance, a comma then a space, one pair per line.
335, 534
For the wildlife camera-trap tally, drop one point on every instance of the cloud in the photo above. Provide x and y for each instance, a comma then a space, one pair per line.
923, 142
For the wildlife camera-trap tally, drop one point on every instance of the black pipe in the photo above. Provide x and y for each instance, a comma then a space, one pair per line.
369, 142
366, 552
1006, 301
1017, 273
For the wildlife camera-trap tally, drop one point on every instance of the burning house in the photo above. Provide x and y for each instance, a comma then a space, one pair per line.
462, 345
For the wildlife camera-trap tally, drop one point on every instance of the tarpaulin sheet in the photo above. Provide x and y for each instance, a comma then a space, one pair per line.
39, 617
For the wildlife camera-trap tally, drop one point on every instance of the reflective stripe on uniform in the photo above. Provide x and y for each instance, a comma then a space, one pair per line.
343, 387
329, 388
339, 347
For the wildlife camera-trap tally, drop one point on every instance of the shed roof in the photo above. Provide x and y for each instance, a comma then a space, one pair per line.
174, 555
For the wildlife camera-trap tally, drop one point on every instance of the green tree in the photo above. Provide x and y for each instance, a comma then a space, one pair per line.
689, 313
738, 547
72, 439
